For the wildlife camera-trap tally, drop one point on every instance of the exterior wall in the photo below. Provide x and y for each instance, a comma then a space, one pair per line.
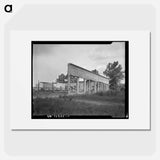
52, 86
45, 85
92, 82
83, 73
59, 86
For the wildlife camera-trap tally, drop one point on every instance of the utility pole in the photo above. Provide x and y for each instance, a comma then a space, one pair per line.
38, 89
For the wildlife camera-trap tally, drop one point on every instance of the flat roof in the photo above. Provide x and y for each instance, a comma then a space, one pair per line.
46, 82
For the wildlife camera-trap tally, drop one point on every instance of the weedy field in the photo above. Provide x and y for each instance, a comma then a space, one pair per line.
109, 103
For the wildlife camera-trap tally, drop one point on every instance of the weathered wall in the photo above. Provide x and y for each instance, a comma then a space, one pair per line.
83, 73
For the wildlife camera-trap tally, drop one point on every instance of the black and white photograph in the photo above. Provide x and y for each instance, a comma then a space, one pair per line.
79, 79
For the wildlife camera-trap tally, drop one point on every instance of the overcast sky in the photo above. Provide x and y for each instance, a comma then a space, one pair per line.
50, 60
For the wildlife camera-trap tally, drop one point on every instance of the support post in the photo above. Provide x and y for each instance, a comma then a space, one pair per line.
78, 85
100, 86
89, 84
69, 89
84, 86
95, 88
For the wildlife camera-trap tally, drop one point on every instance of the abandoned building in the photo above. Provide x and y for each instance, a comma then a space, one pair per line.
87, 81
80, 81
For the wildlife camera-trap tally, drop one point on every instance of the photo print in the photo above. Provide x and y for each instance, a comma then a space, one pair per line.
79, 80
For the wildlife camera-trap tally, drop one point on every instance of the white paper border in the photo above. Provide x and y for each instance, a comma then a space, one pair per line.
139, 80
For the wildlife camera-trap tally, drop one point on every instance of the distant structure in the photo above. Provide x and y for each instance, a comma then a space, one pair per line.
47, 86
87, 81
50, 86
59, 86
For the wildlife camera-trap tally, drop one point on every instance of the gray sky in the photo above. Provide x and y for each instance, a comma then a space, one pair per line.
50, 60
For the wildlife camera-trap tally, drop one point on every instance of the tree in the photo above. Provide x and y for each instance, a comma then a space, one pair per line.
115, 74
72, 79
61, 78
95, 71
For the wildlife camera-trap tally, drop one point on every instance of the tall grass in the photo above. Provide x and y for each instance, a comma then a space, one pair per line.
112, 104
111, 93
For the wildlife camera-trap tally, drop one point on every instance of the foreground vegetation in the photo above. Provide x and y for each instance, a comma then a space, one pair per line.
110, 103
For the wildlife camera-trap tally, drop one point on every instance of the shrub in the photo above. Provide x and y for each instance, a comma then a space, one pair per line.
111, 93
100, 93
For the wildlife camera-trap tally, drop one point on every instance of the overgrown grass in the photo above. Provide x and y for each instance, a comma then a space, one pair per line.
109, 96
111, 93
110, 104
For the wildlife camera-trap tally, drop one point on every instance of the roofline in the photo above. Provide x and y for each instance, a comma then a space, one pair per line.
45, 82
87, 70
